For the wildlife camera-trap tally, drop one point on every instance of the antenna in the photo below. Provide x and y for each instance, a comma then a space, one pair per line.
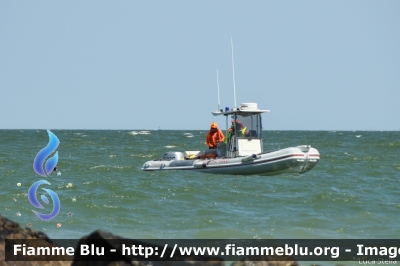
218, 90
233, 70
218, 111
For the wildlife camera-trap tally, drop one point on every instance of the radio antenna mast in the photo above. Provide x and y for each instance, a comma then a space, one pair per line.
217, 112
233, 70
218, 90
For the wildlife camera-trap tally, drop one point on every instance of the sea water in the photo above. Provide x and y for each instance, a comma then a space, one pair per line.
353, 192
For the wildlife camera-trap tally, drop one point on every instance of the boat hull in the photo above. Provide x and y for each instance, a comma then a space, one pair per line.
299, 160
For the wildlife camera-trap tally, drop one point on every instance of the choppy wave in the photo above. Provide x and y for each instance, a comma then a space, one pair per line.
142, 155
107, 167
143, 132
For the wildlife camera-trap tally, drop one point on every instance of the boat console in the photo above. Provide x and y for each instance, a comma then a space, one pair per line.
244, 131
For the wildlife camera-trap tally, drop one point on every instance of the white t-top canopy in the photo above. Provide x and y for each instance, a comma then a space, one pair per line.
245, 108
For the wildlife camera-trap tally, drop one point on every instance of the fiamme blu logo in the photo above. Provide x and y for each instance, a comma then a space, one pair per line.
45, 168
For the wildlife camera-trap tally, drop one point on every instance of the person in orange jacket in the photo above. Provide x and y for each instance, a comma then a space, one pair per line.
214, 136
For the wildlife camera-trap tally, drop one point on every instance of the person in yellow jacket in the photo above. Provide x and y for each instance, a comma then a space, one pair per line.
241, 129
214, 136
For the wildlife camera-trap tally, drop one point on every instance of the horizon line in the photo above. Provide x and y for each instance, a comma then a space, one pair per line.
206, 129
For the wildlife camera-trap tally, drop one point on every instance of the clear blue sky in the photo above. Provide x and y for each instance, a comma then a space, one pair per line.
317, 65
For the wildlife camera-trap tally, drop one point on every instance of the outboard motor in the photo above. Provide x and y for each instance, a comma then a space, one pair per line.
173, 155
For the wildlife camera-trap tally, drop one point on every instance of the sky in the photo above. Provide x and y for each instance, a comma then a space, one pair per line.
145, 65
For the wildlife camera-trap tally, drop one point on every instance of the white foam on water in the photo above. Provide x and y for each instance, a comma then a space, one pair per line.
142, 156
98, 166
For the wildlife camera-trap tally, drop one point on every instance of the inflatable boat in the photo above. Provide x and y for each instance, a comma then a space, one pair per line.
242, 152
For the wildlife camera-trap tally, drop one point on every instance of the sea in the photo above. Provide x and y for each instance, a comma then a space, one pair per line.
352, 193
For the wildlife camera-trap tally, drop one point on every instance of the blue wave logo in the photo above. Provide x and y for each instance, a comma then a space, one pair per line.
32, 198
44, 153
45, 171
